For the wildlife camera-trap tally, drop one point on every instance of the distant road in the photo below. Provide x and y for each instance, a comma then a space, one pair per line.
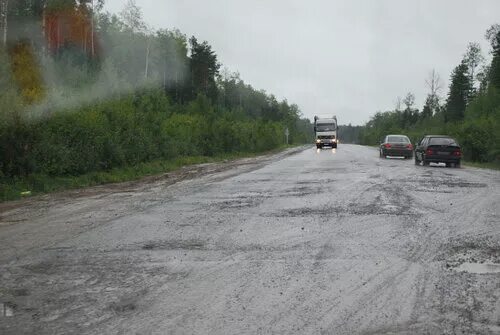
316, 242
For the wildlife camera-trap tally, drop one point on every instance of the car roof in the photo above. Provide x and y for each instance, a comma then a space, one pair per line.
396, 135
443, 136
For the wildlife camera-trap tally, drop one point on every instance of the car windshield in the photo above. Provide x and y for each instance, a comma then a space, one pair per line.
442, 141
398, 139
325, 127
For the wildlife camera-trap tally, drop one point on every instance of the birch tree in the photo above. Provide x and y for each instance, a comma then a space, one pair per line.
133, 19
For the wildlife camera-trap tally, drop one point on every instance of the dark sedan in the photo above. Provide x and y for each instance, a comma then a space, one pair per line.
396, 145
438, 149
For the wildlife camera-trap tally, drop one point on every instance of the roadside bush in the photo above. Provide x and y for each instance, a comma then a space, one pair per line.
138, 128
480, 140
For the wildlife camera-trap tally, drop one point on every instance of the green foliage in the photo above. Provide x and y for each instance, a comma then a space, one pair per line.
458, 96
431, 106
494, 71
141, 127
350, 134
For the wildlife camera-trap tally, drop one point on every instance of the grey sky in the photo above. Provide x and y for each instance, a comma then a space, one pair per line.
350, 58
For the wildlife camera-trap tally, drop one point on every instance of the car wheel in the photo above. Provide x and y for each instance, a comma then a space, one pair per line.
417, 161
448, 164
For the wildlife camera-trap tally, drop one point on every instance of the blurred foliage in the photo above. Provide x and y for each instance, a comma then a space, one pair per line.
350, 134
26, 72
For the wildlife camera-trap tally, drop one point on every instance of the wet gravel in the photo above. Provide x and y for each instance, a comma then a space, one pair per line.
303, 242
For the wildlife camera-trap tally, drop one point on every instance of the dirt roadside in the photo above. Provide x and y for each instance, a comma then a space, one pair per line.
164, 180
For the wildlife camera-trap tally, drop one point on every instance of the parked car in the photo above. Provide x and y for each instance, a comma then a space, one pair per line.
396, 145
438, 149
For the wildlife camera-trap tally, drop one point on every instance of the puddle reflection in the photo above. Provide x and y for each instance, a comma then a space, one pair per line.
479, 268
333, 151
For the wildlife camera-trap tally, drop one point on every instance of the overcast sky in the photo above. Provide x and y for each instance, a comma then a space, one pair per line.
350, 58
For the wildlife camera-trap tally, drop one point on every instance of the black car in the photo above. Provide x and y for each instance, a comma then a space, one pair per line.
438, 149
396, 145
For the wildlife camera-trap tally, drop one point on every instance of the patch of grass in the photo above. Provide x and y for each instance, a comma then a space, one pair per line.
12, 189
493, 165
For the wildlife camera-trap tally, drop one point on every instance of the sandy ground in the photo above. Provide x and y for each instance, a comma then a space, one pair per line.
303, 242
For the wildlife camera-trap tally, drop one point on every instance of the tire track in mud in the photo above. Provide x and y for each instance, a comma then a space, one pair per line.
393, 194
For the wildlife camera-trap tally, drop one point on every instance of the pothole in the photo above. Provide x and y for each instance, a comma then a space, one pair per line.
479, 257
174, 245
7, 309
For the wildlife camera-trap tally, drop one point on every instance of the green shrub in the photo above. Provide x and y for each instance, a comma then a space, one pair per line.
138, 128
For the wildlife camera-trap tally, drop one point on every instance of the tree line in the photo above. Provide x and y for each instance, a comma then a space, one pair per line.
470, 112
110, 91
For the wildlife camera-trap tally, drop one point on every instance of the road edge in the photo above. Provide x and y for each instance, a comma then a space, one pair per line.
182, 173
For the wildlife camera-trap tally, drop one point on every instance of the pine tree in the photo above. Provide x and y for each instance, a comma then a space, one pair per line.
427, 110
204, 69
473, 58
458, 95
494, 71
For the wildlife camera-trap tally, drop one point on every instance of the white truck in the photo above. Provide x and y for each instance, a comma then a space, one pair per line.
326, 131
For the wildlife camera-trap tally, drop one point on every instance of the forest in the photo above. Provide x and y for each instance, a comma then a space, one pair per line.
470, 111
85, 91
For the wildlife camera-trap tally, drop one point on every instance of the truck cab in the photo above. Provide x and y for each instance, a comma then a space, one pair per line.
325, 130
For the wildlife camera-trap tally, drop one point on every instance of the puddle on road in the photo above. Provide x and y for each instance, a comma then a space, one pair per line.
6, 310
480, 268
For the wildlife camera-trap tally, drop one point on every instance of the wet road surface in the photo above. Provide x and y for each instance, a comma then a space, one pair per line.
318, 242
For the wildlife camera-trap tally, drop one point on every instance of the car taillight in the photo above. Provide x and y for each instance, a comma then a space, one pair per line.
429, 152
409, 146
387, 145
457, 153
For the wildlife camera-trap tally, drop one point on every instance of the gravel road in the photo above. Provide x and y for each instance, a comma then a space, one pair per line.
302, 242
